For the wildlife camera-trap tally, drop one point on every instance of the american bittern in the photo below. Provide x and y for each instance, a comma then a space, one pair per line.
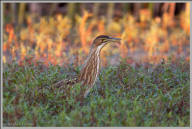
90, 69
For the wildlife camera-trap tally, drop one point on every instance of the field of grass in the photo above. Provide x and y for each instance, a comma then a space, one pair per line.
144, 80
124, 95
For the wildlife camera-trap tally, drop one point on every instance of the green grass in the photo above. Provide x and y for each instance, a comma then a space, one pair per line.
144, 95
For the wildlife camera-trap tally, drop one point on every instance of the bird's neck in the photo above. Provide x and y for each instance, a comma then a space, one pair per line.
91, 67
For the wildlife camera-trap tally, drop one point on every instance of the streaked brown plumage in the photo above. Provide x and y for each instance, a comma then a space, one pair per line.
90, 69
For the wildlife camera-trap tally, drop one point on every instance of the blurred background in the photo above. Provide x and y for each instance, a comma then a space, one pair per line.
61, 33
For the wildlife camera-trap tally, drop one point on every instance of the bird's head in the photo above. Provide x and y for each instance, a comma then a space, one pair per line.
102, 40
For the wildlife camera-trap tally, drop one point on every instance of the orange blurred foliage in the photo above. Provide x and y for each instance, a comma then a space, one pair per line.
185, 19
83, 32
52, 39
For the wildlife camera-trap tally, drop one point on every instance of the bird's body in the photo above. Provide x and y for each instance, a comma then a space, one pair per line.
90, 69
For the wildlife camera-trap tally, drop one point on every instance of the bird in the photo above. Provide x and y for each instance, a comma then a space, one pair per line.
90, 69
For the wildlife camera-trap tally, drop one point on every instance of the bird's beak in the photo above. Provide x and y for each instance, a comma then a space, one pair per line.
114, 39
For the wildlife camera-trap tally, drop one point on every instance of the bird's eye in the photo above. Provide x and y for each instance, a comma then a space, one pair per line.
102, 40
